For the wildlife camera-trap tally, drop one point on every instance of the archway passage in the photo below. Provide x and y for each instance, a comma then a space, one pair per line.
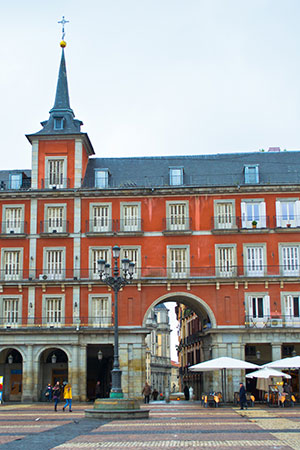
99, 366
11, 368
53, 368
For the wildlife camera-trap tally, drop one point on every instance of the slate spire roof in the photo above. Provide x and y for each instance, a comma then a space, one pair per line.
62, 101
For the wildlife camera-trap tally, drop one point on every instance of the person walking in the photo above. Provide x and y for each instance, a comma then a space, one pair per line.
56, 394
146, 392
48, 393
243, 399
186, 392
68, 397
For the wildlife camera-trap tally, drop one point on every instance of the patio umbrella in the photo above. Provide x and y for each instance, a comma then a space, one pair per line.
223, 363
267, 372
287, 363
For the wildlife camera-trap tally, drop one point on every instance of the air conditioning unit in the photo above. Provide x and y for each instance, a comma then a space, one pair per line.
276, 323
43, 277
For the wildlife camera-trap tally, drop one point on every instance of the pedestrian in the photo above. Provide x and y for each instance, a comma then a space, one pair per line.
243, 399
98, 389
155, 394
68, 397
56, 394
186, 392
48, 393
146, 392
191, 393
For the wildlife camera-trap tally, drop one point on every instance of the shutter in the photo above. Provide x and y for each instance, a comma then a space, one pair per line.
297, 213
278, 213
244, 215
262, 215
246, 174
267, 306
250, 306
288, 307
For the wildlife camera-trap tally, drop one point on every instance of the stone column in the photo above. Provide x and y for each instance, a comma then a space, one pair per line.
27, 375
276, 352
73, 373
82, 371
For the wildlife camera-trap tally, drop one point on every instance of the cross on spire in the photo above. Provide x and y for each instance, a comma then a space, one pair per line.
63, 22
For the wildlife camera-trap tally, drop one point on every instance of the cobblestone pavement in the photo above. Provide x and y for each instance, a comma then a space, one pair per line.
171, 426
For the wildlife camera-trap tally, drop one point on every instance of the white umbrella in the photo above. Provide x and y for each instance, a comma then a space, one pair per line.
223, 363
285, 363
267, 372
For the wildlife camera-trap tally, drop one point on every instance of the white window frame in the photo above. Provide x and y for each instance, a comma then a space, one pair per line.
176, 176
8, 227
14, 274
224, 267
254, 318
258, 213
285, 218
60, 225
255, 268
100, 224
177, 221
59, 122
287, 308
227, 219
53, 323
56, 274
101, 182
137, 262
93, 264
288, 259
58, 185
171, 264
103, 320
16, 317
133, 223
254, 176
17, 183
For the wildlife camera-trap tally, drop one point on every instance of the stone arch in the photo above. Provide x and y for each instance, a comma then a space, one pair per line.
12, 371
198, 305
40, 351
50, 372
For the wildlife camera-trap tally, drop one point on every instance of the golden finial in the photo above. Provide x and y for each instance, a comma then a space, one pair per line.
63, 44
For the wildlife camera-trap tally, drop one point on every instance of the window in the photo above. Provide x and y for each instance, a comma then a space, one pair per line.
101, 178
11, 311
287, 213
55, 219
131, 217
259, 308
291, 306
224, 215
178, 261
100, 310
251, 174
13, 219
54, 264
225, 261
254, 260
176, 176
58, 123
55, 173
101, 218
54, 311
253, 211
289, 255
15, 180
12, 264
177, 216
95, 255
133, 254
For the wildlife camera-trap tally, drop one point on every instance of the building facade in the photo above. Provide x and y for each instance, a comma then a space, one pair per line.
216, 233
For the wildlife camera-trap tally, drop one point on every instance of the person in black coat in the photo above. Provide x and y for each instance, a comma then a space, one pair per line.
243, 399
186, 392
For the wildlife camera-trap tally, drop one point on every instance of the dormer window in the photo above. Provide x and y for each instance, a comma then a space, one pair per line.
176, 176
251, 174
58, 123
15, 180
101, 178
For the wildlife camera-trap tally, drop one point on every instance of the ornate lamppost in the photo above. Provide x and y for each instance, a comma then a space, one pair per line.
116, 282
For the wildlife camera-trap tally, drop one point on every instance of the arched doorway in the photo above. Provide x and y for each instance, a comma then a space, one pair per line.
53, 368
11, 367
99, 366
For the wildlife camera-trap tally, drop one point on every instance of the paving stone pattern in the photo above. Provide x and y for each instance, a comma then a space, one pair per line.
171, 426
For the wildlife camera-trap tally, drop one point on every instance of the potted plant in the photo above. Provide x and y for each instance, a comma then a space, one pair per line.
254, 223
288, 225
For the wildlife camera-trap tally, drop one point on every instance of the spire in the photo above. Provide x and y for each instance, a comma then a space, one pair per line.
62, 101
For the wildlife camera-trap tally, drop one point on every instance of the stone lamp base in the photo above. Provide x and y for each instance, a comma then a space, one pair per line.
117, 408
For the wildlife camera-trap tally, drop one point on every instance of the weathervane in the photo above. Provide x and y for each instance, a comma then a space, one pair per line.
63, 22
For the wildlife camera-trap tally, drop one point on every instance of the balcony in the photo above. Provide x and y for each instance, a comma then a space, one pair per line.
55, 183
129, 227
274, 320
13, 229
284, 224
54, 228
55, 320
100, 226
177, 225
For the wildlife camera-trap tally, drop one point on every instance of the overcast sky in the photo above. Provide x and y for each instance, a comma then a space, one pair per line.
154, 77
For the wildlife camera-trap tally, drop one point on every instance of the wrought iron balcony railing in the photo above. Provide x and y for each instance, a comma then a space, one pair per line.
55, 183
54, 226
100, 225
274, 320
177, 224
13, 227
54, 320
133, 225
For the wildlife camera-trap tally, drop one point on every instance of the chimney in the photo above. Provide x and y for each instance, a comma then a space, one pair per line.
274, 149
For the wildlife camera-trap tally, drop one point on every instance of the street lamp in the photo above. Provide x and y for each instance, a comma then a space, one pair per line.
53, 358
10, 359
116, 282
100, 355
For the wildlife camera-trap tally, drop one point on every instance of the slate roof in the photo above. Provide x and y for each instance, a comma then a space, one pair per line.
5, 182
199, 170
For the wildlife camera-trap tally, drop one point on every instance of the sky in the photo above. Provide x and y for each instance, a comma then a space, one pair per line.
154, 77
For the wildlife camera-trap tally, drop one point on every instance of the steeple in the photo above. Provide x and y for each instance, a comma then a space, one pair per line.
62, 101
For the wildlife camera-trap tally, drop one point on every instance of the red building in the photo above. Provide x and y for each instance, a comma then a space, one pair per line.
217, 233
